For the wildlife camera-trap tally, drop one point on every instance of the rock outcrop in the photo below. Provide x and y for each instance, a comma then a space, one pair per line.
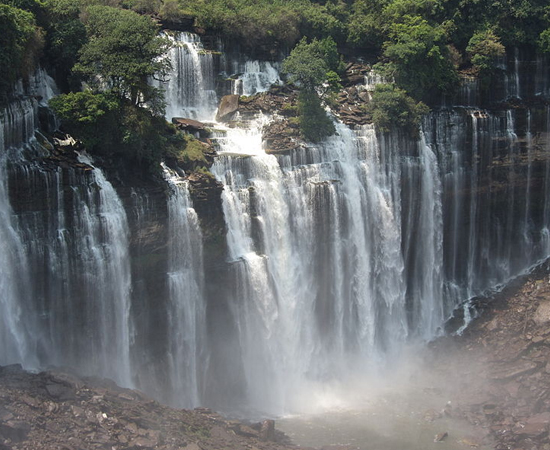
499, 368
59, 410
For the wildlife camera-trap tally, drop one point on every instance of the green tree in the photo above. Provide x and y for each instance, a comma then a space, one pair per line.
310, 65
315, 125
544, 41
122, 52
309, 62
391, 108
417, 58
89, 117
20, 43
484, 49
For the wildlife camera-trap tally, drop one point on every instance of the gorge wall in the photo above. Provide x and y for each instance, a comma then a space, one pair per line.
326, 261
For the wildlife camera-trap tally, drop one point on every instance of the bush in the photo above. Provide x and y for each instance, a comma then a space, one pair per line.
418, 59
89, 117
315, 125
391, 107
484, 49
20, 43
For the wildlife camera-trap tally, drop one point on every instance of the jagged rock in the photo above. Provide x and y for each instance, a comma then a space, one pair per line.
542, 314
441, 436
229, 105
245, 430
11, 369
511, 371
190, 126
60, 391
267, 431
5, 415
15, 430
534, 426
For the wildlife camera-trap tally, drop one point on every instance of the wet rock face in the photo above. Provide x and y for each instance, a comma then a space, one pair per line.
58, 410
229, 105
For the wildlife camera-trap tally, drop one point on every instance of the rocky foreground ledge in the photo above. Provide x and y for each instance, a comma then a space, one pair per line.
498, 372
55, 410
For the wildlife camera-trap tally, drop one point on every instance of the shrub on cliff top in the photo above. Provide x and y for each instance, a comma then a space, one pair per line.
391, 107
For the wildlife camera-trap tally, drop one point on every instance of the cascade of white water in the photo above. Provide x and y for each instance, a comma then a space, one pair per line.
17, 344
317, 237
542, 76
189, 89
473, 232
517, 86
468, 93
101, 228
186, 310
527, 224
254, 77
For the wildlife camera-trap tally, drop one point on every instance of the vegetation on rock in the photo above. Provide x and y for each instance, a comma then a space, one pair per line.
391, 107
113, 46
484, 49
309, 65
20, 42
123, 50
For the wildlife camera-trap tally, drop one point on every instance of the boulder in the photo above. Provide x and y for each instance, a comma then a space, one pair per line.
229, 105
15, 430
190, 126
267, 431
542, 314
441, 436
534, 426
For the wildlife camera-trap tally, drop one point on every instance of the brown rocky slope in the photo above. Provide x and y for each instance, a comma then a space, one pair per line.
500, 366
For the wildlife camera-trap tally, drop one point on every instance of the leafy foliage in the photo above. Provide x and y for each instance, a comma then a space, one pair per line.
484, 49
544, 41
123, 50
310, 65
392, 107
88, 117
116, 129
270, 23
315, 125
20, 43
417, 58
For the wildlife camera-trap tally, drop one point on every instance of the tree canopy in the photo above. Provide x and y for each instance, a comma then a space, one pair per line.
20, 42
123, 50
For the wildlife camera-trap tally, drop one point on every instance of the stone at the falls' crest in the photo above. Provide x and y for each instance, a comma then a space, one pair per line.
229, 105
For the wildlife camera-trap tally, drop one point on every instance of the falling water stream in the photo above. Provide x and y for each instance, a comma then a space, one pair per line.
339, 255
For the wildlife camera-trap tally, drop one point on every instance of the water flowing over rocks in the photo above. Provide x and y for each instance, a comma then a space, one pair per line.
288, 267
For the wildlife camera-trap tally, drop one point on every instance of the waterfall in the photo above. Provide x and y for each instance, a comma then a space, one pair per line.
16, 315
102, 229
339, 254
186, 309
254, 76
189, 89
65, 276
316, 242
346, 250
77, 256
